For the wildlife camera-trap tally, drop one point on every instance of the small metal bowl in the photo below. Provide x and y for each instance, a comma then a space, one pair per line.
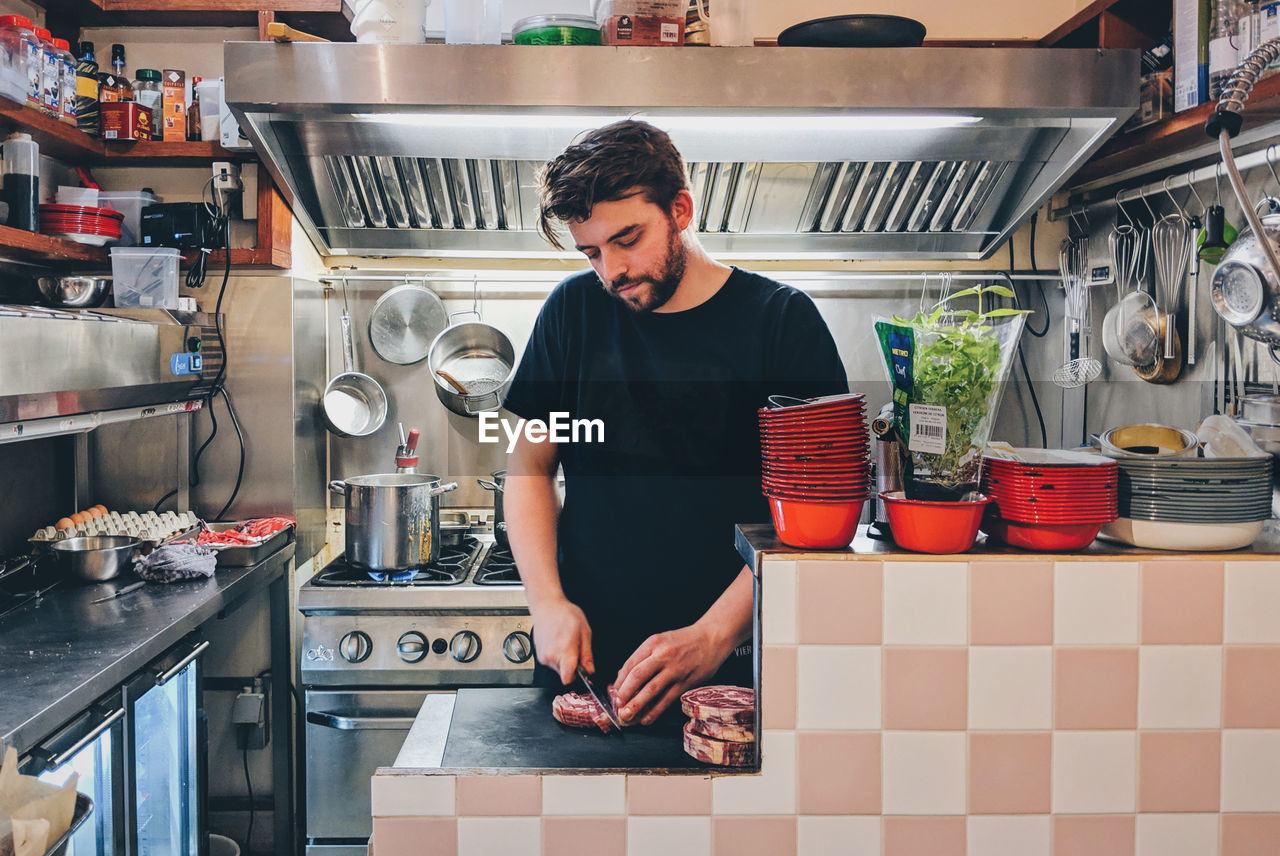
96, 558
74, 292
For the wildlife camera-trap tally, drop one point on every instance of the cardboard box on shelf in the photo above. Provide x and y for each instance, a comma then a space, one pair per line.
174, 101
1190, 53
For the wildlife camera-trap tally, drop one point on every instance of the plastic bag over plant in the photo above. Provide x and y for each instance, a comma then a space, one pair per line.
947, 368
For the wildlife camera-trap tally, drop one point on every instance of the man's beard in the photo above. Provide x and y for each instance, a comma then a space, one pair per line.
661, 287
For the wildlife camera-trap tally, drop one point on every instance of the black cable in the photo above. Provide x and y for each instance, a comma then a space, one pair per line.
235, 423
1022, 358
156, 507
248, 785
1039, 334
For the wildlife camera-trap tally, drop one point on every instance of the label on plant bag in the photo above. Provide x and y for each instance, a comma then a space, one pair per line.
928, 429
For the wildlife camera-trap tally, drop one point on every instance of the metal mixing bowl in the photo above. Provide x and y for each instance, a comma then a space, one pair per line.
96, 558
74, 292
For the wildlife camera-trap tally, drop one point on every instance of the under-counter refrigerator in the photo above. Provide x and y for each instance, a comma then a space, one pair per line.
140, 755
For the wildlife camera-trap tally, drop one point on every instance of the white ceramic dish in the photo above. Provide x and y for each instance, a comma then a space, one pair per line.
1193, 537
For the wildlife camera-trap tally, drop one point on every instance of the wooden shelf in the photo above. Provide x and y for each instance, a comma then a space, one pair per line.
329, 19
32, 247
1168, 137
1113, 24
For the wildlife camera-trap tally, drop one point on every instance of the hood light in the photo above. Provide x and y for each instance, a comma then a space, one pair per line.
850, 122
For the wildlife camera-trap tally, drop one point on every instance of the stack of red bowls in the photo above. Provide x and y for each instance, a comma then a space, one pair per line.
814, 467
1049, 499
82, 223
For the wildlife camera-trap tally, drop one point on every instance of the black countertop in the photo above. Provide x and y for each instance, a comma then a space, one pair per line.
60, 653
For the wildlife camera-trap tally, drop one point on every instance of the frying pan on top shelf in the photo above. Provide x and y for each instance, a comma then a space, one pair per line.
854, 31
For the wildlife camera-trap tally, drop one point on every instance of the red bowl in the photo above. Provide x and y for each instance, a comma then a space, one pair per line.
1042, 536
933, 527
815, 525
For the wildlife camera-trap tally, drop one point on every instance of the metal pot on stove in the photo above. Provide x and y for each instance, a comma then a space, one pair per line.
392, 519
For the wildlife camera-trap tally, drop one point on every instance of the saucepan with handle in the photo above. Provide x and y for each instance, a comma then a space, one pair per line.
354, 404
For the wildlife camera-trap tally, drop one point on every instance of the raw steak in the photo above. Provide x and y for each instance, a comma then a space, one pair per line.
719, 752
723, 731
722, 705
580, 710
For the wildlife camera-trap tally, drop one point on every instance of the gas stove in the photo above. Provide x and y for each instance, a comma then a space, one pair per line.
461, 621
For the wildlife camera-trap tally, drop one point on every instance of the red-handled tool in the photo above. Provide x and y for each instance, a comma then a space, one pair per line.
407, 454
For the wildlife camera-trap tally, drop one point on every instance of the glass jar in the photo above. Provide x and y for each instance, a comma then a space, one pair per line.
149, 92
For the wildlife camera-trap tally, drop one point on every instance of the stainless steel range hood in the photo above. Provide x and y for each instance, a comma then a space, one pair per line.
430, 150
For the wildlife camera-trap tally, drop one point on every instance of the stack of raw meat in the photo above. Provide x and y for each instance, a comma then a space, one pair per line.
721, 726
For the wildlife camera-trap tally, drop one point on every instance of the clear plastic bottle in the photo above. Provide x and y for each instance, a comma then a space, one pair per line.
67, 87
1223, 51
50, 74
16, 40
22, 181
148, 91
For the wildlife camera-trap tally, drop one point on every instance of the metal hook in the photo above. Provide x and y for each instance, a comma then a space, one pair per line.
1120, 210
1191, 185
475, 293
345, 308
1164, 185
1217, 183
1147, 205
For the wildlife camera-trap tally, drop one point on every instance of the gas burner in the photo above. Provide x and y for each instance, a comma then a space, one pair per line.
498, 569
449, 569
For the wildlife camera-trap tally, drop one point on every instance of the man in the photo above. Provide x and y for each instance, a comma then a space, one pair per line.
673, 352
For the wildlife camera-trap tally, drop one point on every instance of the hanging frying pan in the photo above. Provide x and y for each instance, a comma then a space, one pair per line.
404, 322
854, 31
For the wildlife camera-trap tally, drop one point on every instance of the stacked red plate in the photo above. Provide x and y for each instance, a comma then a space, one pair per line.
1049, 499
82, 223
814, 467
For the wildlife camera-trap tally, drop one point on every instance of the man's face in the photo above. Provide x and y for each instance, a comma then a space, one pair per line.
635, 248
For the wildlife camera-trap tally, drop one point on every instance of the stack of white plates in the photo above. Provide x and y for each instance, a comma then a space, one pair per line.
1192, 503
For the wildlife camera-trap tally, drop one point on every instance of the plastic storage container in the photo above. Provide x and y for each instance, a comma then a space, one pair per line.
129, 203
50, 75
16, 40
145, 277
209, 95
67, 87
556, 30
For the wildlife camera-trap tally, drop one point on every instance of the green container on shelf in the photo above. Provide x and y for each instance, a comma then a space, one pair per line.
556, 30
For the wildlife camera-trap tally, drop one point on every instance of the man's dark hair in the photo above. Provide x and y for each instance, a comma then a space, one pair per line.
605, 165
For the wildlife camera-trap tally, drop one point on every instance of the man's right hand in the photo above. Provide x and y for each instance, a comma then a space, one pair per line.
562, 638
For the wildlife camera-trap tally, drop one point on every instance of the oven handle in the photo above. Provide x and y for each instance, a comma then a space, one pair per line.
358, 723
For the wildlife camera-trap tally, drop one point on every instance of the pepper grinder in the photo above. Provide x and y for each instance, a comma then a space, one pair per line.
407, 452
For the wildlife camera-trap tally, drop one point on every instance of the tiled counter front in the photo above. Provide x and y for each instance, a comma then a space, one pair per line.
943, 708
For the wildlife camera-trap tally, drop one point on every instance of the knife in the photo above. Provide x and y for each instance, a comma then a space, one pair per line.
605, 702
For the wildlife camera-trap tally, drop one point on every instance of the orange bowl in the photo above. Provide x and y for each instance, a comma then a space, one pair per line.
933, 527
1053, 537
815, 525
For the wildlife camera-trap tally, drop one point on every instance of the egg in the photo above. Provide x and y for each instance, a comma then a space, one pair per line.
99, 510
64, 523
79, 518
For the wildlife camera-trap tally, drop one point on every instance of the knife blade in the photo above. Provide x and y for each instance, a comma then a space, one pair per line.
606, 703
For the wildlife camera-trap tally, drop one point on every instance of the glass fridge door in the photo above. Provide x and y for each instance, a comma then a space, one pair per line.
92, 746
165, 767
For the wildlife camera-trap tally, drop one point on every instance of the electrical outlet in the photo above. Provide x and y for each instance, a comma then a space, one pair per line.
226, 176
249, 716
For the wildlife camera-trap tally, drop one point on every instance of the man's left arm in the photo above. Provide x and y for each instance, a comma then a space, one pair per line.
666, 664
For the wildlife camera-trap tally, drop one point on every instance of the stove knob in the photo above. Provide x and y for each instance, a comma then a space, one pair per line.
517, 647
412, 646
465, 646
355, 647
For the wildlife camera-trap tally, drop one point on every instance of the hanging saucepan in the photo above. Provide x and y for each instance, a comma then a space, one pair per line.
499, 523
404, 322
354, 404
471, 365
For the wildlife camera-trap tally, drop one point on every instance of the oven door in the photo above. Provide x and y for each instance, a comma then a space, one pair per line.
349, 735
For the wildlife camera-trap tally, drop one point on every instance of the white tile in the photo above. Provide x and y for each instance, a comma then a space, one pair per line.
838, 687
669, 836
1094, 772
413, 796
1011, 687
1252, 603
926, 603
1027, 835
584, 794
1095, 603
1251, 770
510, 836
778, 603
838, 836
771, 792
1176, 835
924, 772
1179, 686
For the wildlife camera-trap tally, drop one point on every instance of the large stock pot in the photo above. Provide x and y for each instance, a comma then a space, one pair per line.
392, 519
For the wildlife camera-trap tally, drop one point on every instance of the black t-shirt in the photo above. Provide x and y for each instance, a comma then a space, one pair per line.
646, 532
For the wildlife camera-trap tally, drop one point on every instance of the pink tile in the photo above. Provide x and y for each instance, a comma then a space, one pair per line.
572, 836
754, 836
1010, 772
501, 796
414, 836
1093, 835
1252, 691
668, 795
1250, 834
924, 836
838, 772
839, 602
1182, 603
1011, 603
1178, 770
926, 688
1095, 687
778, 686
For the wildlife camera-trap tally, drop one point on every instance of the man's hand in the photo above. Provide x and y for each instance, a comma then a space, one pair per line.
562, 638
663, 667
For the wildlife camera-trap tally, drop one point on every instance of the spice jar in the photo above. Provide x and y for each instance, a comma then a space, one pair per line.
147, 91
17, 43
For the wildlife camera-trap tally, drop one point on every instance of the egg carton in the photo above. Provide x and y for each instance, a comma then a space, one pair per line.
148, 527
